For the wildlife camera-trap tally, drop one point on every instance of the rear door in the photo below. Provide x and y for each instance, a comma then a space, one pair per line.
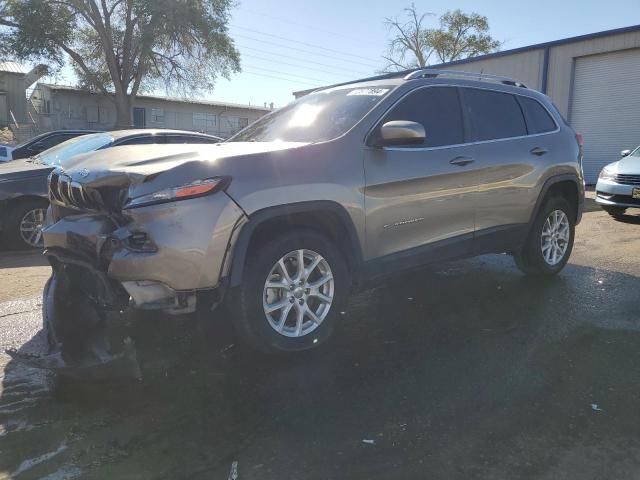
420, 198
510, 158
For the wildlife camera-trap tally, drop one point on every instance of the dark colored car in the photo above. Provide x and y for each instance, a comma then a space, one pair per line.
40, 143
23, 183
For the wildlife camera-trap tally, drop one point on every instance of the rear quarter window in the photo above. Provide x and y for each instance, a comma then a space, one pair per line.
537, 117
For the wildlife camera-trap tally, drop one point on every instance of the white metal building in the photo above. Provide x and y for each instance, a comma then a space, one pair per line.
594, 80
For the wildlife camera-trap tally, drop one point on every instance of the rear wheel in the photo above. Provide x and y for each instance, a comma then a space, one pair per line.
291, 293
615, 212
23, 224
550, 241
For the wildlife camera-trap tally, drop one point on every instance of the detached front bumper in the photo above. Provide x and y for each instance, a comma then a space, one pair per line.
613, 194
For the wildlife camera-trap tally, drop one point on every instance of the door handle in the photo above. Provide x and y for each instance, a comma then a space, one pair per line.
539, 151
461, 161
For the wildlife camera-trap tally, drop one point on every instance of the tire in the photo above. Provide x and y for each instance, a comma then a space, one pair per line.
258, 328
615, 212
27, 211
531, 259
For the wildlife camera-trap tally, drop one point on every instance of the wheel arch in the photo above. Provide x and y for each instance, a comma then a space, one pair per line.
19, 200
325, 216
569, 187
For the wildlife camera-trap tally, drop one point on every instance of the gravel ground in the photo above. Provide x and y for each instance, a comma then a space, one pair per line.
468, 370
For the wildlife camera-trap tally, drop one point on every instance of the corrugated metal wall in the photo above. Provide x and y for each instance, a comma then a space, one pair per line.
605, 106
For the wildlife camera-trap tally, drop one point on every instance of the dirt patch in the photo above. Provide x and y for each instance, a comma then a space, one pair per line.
22, 275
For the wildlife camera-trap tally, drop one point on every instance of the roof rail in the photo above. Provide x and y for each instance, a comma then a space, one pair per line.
434, 72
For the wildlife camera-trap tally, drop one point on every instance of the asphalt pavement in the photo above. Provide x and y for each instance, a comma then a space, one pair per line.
465, 370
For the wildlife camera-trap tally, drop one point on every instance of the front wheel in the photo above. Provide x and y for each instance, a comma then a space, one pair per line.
550, 241
291, 293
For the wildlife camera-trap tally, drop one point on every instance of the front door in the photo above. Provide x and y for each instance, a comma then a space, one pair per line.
139, 117
419, 199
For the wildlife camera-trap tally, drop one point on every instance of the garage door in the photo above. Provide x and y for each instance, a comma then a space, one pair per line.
605, 107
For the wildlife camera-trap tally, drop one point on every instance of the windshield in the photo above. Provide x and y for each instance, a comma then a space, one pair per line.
317, 117
55, 156
635, 153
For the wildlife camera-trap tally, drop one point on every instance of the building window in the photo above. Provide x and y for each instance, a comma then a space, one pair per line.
237, 123
157, 115
204, 120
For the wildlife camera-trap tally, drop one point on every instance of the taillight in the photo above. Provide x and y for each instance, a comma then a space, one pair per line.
580, 139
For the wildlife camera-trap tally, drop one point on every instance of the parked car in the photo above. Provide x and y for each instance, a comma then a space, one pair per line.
23, 183
344, 186
39, 144
618, 186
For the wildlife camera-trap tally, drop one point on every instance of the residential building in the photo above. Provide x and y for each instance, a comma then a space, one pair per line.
64, 107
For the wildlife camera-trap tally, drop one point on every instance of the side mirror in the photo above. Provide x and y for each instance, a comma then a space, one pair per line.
400, 132
625, 153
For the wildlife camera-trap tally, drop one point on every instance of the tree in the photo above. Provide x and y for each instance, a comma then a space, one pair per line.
460, 35
122, 47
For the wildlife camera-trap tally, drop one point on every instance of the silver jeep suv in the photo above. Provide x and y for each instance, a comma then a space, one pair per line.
348, 184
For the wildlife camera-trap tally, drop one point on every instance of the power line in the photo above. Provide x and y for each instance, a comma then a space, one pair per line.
280, 55
308, 27
287, 74
291, 64
305, 44
333, 57
281, 78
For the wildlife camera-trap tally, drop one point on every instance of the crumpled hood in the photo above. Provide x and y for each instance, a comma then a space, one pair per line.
129, 165
22, 168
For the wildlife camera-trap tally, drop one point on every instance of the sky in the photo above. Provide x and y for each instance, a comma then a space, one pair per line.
289, 45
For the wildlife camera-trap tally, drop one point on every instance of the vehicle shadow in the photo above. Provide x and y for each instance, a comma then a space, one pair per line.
22, 258
467, 370
630, 219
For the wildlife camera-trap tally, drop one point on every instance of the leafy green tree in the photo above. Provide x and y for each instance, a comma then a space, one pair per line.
122, 47
460, 35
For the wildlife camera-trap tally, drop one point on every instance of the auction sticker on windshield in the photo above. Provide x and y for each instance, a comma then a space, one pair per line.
635, 193
373, 92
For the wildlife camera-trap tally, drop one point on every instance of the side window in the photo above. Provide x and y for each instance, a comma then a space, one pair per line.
438, 110
538, 119
146, 140
493, 115
189, 139
47, 142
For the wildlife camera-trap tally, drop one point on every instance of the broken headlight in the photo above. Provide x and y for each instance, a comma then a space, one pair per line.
198, 188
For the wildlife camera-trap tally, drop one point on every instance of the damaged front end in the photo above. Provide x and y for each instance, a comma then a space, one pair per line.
108, 257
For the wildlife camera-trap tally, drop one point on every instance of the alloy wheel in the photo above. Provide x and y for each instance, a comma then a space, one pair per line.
298, 293
555, 237
31, 227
